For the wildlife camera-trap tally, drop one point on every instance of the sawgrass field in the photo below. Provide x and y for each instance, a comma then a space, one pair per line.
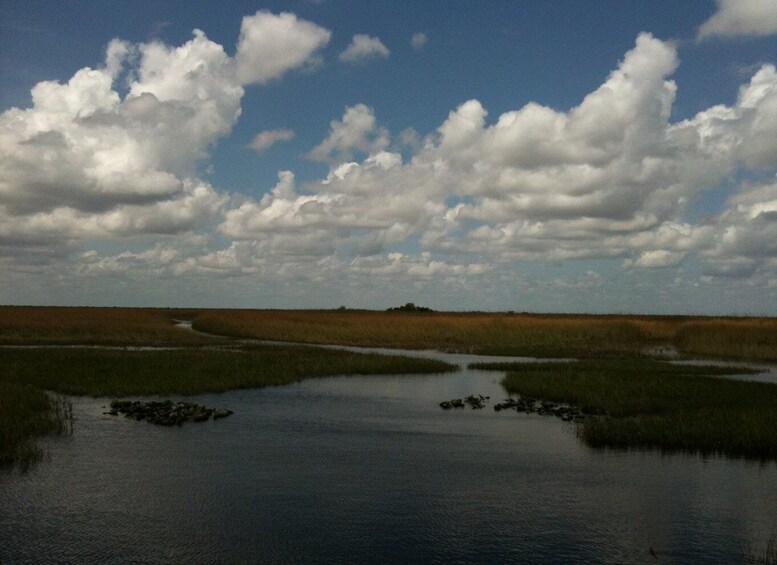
141, 351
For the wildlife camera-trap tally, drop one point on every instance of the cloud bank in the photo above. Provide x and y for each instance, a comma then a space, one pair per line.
612, 178
85, 163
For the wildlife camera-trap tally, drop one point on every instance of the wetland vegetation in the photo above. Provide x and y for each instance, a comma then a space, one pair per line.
29, 325
26, 413
118, 372
647, 403
533, 335
650, 404
113, 362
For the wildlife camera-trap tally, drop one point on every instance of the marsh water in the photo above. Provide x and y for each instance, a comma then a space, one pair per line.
371, 470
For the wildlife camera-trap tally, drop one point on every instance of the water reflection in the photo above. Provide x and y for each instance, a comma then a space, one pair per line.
369, 469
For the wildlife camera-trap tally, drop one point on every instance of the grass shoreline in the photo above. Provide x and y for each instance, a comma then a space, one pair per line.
647, 404
108, 372
27, 412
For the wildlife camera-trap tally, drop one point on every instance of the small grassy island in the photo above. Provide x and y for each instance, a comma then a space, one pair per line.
639, 401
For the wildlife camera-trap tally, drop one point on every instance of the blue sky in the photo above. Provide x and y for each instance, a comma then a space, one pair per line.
594, 156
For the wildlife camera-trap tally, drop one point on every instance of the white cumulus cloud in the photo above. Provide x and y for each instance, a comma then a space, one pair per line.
270, 45
362, 48
357, 131
611, 178
85, 162
266, 139
82, 150
735, 18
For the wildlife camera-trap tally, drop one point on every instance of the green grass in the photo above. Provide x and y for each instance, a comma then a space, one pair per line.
107, 372
656, 405
27, 413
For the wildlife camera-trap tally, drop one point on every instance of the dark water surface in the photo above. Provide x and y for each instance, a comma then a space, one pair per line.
370, 470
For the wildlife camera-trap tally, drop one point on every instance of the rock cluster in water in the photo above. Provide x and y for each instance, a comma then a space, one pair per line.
522, 404
543, 408
476, 402
165, 412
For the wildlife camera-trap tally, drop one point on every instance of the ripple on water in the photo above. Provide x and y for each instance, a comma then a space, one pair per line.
370, 469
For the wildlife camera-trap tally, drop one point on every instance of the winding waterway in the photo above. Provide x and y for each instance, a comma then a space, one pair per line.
371, 470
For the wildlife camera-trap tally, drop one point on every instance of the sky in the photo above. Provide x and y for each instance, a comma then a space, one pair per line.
554, 156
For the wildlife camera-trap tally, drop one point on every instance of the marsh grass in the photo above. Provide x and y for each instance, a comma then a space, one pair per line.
473, 333
762, 552
27, 413
537, 335
656, 405
748, 338
27, 325
202, 368
534, 335
107, 372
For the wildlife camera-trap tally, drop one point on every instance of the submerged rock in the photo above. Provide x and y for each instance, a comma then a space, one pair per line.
165, 412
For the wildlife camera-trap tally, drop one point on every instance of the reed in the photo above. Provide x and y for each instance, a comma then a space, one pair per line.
537, 335
762, 552
649, 404
108, 372
27, 413
27, 325
749, 338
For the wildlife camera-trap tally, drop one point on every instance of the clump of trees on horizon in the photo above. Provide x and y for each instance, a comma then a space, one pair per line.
409, 307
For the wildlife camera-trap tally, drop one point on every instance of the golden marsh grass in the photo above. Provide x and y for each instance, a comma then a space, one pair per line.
505, 334
29, 325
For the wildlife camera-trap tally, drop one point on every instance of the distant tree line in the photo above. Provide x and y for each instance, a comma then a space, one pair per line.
409, 307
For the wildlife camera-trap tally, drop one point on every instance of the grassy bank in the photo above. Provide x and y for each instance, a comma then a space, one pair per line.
27, 413
657, 405
505, 334
99, 372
